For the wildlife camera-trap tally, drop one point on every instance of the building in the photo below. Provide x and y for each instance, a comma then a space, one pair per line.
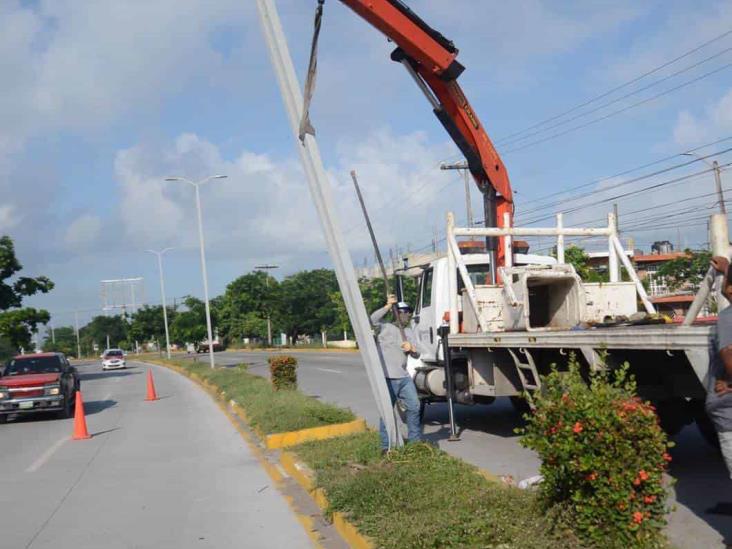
674, 304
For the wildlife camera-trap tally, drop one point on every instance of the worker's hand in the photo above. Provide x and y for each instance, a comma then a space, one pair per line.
391, 300
720, 263
721, 387
408, 347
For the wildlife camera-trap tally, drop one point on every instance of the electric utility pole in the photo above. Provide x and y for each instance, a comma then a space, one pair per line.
463, 166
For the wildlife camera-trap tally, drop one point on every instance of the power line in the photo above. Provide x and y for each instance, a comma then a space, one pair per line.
627, 171
619, 111
617, 88
616, 100
623, 184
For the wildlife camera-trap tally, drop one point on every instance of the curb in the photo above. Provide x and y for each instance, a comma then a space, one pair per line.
298, 471
303, 475
293, 438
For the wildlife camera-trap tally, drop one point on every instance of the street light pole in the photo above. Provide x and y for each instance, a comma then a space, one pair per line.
78, 342
197, 184
717, 179
265, 268
159, 255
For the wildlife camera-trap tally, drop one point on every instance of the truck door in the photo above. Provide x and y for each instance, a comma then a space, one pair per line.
425, 316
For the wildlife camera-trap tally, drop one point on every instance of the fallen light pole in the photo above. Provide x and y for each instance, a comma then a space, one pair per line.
321, 195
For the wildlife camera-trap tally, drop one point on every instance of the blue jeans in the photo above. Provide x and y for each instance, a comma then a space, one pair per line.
403, 388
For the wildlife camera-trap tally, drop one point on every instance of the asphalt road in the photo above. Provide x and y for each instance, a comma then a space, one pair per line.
488, 440
173, 473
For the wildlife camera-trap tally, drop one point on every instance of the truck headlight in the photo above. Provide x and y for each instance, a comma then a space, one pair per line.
4, 393
52, 390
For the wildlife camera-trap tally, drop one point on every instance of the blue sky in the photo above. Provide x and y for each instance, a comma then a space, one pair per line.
101, 102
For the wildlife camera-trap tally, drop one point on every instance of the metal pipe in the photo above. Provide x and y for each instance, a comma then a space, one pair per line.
452, 276
612, 258
530, 231
560, 239
394, 309
449, 382
633, 276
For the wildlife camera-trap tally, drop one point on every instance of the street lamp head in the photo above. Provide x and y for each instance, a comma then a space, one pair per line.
173, 179
219, 176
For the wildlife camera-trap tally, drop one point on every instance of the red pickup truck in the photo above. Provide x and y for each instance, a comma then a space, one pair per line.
43, 382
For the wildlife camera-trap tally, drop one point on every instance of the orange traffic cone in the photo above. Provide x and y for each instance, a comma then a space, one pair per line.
80, 432
151, 394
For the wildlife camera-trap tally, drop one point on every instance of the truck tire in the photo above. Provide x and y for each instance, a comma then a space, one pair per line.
707, 430
3, 418
67, 410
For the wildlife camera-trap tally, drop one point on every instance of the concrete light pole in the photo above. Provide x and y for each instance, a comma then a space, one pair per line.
717, 179
196, 185
266, 267
159, 255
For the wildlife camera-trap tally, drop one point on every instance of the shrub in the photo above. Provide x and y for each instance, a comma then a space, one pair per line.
603, 456
283, 370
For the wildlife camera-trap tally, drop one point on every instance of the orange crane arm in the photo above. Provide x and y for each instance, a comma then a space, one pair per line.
431, 60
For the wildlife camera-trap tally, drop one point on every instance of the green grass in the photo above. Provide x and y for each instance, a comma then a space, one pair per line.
420, 497
268, 411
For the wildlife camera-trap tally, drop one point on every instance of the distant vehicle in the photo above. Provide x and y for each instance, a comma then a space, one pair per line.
43, 382
203, 347
113, 359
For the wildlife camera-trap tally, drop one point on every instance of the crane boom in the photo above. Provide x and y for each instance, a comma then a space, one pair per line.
431, 60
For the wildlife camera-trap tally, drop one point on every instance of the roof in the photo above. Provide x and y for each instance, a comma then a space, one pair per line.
684, 298
653, 258
36, 355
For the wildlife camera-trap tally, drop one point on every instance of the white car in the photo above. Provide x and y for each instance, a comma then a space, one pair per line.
113, 359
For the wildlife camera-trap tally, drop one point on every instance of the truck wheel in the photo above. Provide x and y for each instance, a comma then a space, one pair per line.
707, 430
67, 410
521, 405
3, 418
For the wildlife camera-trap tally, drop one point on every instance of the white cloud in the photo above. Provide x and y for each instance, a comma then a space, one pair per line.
264, 208
84, 232
714, 120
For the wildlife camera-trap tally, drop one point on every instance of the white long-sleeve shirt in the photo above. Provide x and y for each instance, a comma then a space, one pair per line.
389, 341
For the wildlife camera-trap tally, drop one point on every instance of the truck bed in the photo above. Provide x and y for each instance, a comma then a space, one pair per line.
648, 337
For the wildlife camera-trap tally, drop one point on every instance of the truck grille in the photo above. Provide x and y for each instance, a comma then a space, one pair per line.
26, 392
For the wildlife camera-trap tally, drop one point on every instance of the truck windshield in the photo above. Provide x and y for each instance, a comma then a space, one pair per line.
479, 275
33, 365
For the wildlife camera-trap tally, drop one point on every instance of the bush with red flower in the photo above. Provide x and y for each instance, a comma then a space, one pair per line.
603, 457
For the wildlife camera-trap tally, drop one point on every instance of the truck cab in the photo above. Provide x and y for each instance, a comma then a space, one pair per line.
43, 382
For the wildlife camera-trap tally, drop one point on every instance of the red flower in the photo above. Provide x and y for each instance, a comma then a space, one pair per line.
637, 517
666, 456
649, 499
636, 481
592, 476
643, 475
577, 429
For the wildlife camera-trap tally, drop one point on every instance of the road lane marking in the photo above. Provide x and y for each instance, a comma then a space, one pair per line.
329, 370
37, 464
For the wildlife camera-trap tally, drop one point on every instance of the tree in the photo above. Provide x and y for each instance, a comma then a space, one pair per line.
305, 306
148, 323
685, 271
18, 324
243, 308
65, 337
189, 326
96, 332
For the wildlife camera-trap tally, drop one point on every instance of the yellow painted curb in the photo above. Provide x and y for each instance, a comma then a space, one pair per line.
349, 533
302, 474
293, 438
297, 470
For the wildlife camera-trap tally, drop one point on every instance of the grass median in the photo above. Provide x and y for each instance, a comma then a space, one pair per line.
420, 497
268, 411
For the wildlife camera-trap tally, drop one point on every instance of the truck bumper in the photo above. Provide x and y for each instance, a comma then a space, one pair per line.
32, 404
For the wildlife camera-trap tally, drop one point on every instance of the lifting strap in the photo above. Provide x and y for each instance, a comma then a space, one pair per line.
305, 124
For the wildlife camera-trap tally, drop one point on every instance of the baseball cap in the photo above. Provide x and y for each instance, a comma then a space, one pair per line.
403, 306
